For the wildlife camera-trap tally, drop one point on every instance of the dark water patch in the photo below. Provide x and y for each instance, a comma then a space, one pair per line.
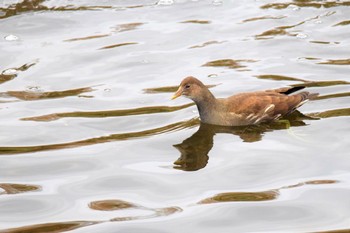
323, 42
331, 113
79, 8
331, 96
127, 27
197, 21
30, 95
336, 62
129, 218
87, 37
311, 182
311, 58
342, 23
109, 113
51, 227
322, 83
161, 212
110, 205
168, 211
5, 77
279, 31
37, 5
321, 182
269, 34
263, 18
104, 139
335, 231
258, 196
138, 6
23, 6
206, 44
279, 77
282, 30
72, 225
18, 188
118, 45
306, 3
241, 197
169, 89
229, 63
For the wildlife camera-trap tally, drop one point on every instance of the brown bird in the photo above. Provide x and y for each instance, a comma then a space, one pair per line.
246, 108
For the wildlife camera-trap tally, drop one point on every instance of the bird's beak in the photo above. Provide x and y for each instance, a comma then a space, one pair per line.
177, 93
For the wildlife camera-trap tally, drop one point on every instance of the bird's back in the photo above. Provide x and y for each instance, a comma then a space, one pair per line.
257, 107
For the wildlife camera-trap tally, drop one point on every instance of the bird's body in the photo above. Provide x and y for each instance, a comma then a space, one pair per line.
244, 108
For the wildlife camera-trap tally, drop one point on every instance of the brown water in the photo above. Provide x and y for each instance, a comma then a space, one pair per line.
91, 142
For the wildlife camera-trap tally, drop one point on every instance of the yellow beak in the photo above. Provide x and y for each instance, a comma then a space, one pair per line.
177, 93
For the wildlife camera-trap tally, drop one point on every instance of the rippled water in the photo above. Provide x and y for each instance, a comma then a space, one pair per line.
91, 142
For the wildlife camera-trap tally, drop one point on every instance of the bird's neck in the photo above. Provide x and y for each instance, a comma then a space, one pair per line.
206, 104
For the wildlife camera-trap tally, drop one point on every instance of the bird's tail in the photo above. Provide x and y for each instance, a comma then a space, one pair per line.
307, 95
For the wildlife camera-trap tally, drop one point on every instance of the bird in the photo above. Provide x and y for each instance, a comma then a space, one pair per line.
247, 108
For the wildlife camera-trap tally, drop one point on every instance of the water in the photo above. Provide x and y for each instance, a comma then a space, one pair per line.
91, 142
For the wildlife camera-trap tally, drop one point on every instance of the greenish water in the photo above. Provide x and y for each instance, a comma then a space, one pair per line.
91, 142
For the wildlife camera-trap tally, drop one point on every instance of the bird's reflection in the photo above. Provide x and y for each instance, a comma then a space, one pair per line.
195, 149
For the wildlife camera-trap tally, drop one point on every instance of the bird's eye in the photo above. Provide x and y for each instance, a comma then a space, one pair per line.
187, 86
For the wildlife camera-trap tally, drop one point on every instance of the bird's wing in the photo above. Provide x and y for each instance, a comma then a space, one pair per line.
262, 106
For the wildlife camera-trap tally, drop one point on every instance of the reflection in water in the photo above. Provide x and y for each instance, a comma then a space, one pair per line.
342, 23
109, 113
331, 96
23, 6
206, 44
306, 3
229, 63
92, 141
118, 45
109, 205
284, 30
206, 132
323, 42
119, 28
37, 5
241, 196
32, 95
17, 188
169, 89
102, 205
279, 78
322, 83
335, 231
127, 27
5, 76
113, 205
263, 18
278, 31
331, 113
87, 37
258, 196
119, 205
195, 149
161, 212
50, 227
197, 21
336, 62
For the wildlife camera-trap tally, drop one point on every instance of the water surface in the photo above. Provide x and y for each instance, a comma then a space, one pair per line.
91, 142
